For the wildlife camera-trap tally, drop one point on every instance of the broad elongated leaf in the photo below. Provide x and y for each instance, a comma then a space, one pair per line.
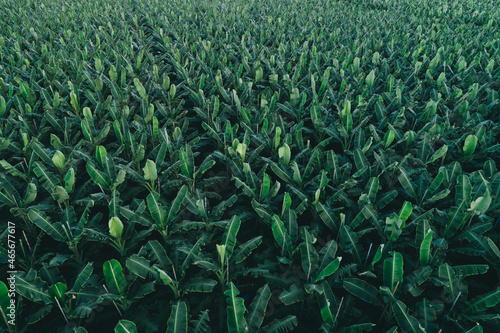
292, 296
393, 270
425, 249
82, 278
176, 204
98, 177
483, 302
329, 269
229, 238
280, 234
157, 211
139, 266
362, 289
258, 308
199, 285
405, 321
245, 249
236, 322
178, 321
446, 273
115, 279
158, 254
310, 258
470, 145
55, 230
426, 315
371, 189
407, 184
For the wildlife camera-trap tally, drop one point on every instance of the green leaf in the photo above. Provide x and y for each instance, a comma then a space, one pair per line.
157, 211
476, 329
5, 298
470, 145
483, 302
281, 325
266, 185
393, 270
40, 151
115, 279
362, 289
176, 204
310, 258
139, 266
425, 249
158, 254
468, 270
326, 216
59, 160
360, 160
438, 154
463, 190
97, 176
406, 211
389, 138
455, 217
446, 273
69, 180
150, 172
405, 181
199, 285
371, 189
58, 290
405, 321
350, 239
178, 321
292, 296
140, 89
426, 315
236, 322
280, 234
328, 270
258, 308
55, 230
115, 227
82, 278
245, 249
229, 238
201, 325
481, 204
125, 326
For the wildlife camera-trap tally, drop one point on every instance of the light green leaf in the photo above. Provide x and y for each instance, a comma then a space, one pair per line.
115, 279
470, 145
150, 172
115, 227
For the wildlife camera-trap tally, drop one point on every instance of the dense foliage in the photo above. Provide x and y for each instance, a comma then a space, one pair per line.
243, 166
